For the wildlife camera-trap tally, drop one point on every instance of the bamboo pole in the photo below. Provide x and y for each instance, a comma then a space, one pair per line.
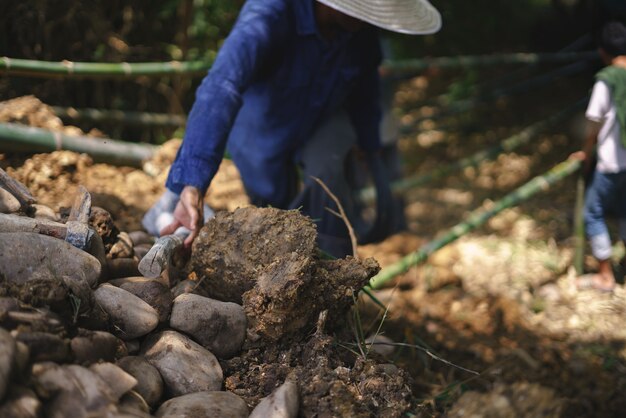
367, 195
16, 138
46, 69
120, 116
50, 69
579, 225
475, 219
410, 67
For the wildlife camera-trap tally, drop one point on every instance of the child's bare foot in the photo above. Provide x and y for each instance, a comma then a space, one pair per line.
595, 281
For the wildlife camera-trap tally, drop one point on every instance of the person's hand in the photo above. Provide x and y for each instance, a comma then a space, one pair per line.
578, 155
188, 213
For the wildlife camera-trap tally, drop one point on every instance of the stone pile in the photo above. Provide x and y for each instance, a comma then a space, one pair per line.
76, 339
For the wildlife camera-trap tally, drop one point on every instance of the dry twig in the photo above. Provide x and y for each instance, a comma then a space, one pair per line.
341, 214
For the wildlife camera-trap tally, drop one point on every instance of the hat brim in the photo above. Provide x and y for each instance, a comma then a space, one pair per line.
413, 17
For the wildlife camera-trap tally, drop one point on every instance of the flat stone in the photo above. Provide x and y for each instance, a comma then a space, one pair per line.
130, 316
7, 354
185, 366
282, 403
219, 326
8, 202
205, 405
27, 255
149, 381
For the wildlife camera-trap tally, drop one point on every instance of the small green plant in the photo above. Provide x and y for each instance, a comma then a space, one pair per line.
75, 302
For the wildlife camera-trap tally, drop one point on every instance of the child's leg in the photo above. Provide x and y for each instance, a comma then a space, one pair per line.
597, 196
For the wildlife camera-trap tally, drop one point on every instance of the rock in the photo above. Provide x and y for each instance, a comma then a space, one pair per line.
102, 222
131, 317
133, 346
7, 355
44, 212
21, 402
122, 248
97, 250
141, 238
24, 256
151, 291
149, 381
7, 304
75, 391
282, 403
219, 326
44, 346
380, 344
118, 380
185, 366
184, 286
204, 405
8, 202
22, 359
81, 295
123, 267
134, 405
92, 346
141, 250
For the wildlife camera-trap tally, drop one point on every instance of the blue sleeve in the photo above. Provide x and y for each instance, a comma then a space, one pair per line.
260, 29
364, 99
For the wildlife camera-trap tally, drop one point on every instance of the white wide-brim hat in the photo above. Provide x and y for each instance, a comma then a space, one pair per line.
415, 17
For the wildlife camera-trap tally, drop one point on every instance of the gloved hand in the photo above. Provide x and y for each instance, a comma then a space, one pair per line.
181, 215
189, 213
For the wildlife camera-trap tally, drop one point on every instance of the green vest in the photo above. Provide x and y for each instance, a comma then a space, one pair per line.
615, 78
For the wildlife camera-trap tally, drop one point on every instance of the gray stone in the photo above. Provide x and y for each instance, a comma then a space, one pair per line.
204, 405
8, 202
282, 403
27, 255
21, 402
219, 326
131, 317
151, 291
7, 354
45, 212
185, 366
92, 346
149, 381
117, 378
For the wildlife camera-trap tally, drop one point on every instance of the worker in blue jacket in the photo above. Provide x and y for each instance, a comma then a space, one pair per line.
293, 89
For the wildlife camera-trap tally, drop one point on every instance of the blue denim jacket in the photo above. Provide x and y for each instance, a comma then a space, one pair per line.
273, 80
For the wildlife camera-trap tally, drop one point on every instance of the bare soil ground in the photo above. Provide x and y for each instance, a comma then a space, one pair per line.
491, 326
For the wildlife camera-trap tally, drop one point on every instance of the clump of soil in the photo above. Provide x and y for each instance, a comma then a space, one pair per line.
267, 259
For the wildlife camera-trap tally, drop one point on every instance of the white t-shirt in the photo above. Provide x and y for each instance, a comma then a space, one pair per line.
611, 153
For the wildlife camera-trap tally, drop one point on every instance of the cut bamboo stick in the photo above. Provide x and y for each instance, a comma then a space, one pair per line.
20, 138
476, 219
120, 116
47, 69
410, 67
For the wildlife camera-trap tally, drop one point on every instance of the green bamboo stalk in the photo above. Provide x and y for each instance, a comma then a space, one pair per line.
409, 67
459, 106
20, 138
579, 225
47, 69
120, 116
367, 195
475, 219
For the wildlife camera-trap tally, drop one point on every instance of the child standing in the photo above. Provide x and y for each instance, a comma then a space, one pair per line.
606, 114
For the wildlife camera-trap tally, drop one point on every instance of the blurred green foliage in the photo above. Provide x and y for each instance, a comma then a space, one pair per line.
163, 30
